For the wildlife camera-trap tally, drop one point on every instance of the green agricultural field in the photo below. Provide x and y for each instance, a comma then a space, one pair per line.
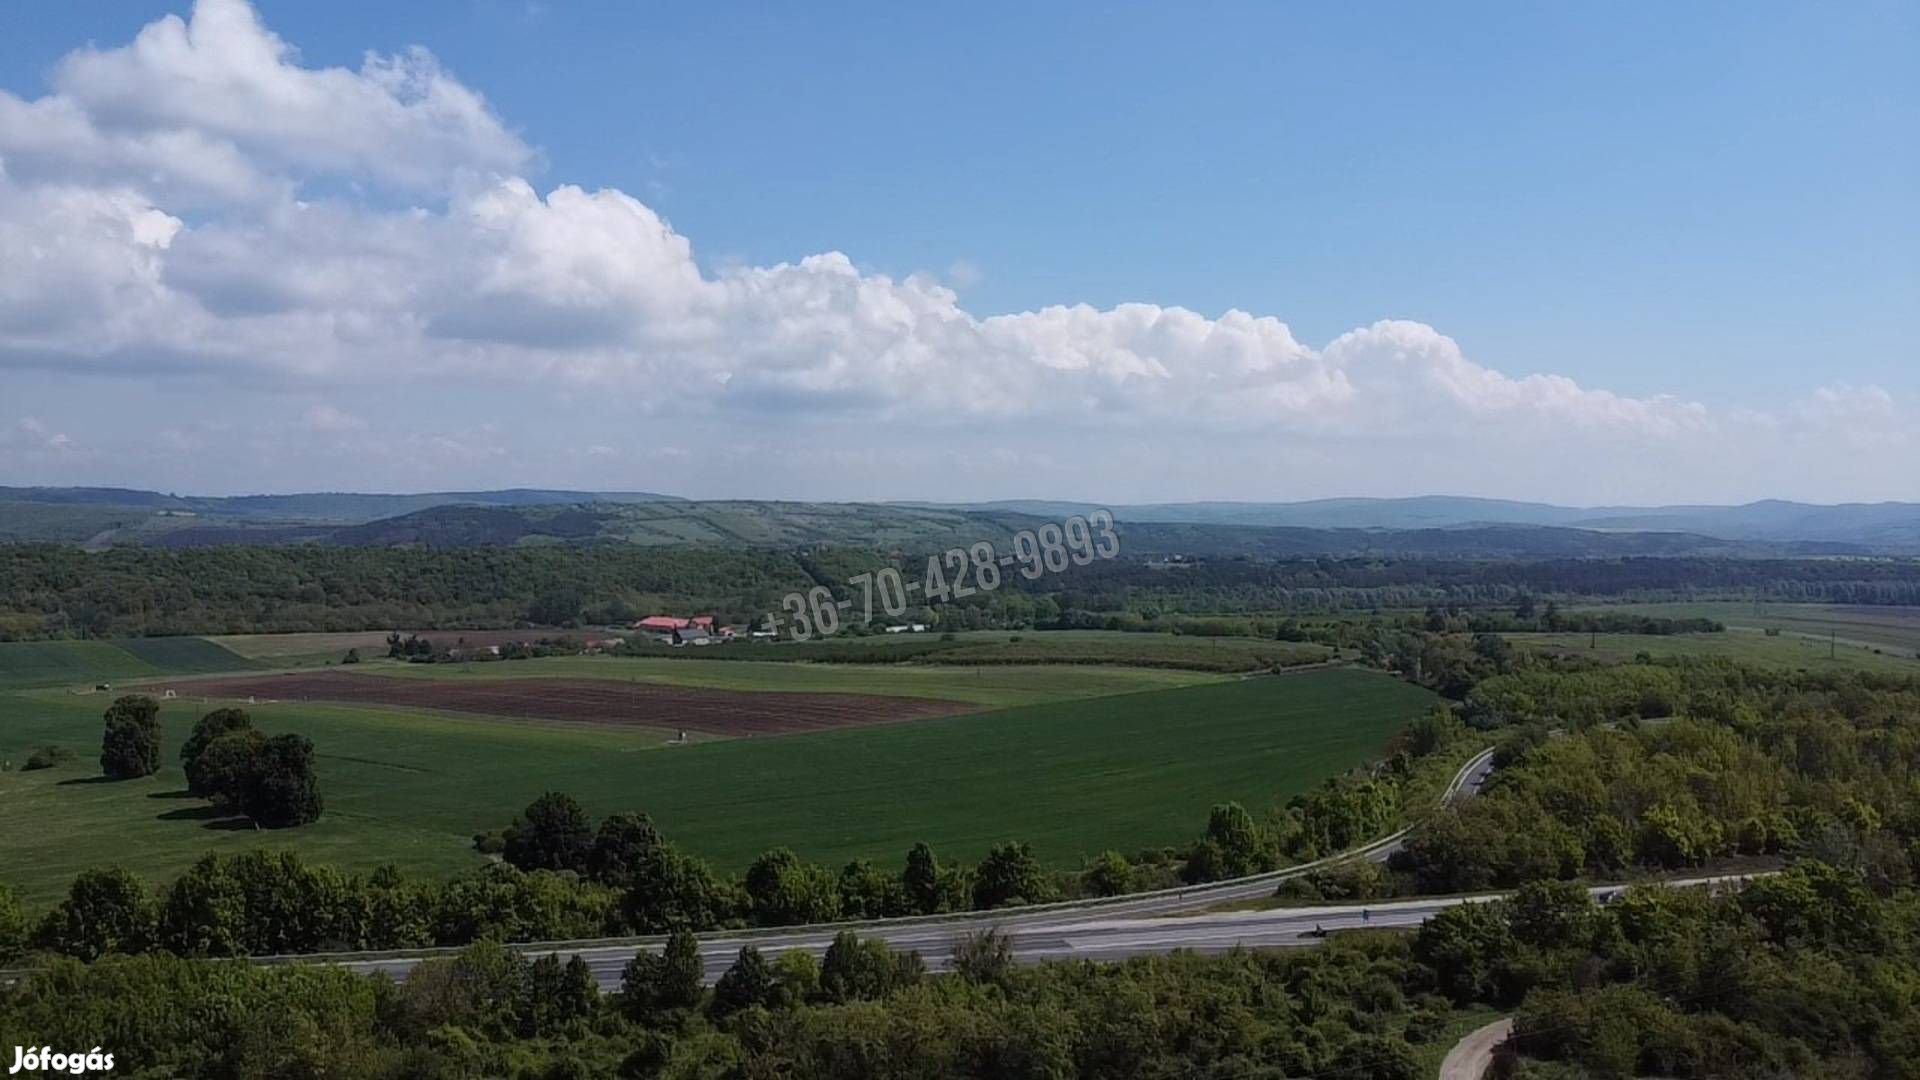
183, 655
1071, 777
83, 663
293, 650
1219, 654
989, 687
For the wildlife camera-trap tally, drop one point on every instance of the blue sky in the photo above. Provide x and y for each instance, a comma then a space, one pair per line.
1716, 204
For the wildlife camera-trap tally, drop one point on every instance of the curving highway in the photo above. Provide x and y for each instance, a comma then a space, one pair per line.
1090, 937
1102, 929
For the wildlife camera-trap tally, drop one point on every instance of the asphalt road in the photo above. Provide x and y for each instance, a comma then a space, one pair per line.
1093, 936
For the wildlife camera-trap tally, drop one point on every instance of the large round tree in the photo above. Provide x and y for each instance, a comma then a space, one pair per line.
130, 746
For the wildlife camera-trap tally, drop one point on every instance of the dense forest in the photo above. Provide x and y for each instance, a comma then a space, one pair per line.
52, 591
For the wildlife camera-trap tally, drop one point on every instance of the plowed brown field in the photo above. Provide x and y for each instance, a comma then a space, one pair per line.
594, 701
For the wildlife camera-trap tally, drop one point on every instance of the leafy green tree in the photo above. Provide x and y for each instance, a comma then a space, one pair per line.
260, 903
984, 957
1242, 848
1812, 904
655, 984
482, 990
1467, 948
921, 880
868, 892
749, 982
796, 979
130, 744
223, 769
1377, 1057
1108, 875
552, 833
558, 995
1672, 837
785, 891
1550, 915
625, 839
209, 727
391, 912
499, 901
668, 889
106, 911
857, 969
205, 911
1009, 873
282, 791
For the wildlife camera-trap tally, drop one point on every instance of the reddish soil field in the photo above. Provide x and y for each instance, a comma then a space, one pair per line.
594, 701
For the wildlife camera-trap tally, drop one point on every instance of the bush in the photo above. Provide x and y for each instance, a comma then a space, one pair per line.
47, 757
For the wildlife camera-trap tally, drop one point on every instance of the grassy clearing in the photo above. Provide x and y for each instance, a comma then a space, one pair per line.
990, 687
1071, 777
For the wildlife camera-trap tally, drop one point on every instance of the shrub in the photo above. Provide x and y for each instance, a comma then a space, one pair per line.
47, 757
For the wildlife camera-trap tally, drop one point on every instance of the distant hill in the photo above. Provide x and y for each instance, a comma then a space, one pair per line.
1427, 525
103, 516
926, 529
1890, 526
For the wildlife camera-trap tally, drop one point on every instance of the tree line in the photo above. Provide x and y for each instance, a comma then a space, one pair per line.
49, 591
1811, 973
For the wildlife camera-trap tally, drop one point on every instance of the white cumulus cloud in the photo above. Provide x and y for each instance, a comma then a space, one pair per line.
172, 209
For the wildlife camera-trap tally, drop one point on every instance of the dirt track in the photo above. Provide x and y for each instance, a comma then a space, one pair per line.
595, 701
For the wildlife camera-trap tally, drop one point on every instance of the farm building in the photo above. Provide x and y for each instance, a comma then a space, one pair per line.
667, 624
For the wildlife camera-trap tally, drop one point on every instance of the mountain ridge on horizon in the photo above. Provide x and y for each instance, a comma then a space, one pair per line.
103, 513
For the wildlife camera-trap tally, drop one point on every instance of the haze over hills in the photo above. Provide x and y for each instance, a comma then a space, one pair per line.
1888, 525
1440, 525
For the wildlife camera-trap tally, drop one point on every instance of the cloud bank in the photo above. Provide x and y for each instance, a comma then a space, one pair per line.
197, 209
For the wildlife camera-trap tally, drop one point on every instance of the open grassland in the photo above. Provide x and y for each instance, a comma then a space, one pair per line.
1745, 646
84, 663
989, 687
1889, 628
1072, 777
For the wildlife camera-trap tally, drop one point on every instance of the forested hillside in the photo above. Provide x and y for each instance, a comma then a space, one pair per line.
57, 591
